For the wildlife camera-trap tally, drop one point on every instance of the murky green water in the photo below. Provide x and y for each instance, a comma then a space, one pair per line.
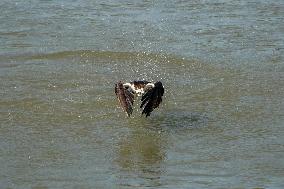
221, 122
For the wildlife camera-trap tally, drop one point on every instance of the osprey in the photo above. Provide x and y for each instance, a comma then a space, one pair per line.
151, 95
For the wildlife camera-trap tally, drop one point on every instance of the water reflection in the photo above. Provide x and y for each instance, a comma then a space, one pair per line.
140, 158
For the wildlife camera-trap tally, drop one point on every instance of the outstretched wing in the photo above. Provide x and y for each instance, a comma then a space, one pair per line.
125, 98
152, 98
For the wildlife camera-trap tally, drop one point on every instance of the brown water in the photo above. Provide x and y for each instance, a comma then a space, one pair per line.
221, 121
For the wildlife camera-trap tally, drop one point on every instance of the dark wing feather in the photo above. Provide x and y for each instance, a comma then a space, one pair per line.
152, 98
125, 98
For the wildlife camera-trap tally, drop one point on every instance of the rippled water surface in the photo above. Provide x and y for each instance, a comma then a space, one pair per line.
221, 121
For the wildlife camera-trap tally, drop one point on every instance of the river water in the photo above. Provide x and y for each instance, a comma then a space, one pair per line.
221, 123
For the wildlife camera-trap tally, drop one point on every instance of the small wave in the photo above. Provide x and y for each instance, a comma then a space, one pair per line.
112, 55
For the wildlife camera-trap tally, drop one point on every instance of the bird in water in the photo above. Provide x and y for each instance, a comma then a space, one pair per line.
151, 95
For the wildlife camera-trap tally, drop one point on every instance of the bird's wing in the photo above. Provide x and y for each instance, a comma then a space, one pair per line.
152, 98
125, 98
